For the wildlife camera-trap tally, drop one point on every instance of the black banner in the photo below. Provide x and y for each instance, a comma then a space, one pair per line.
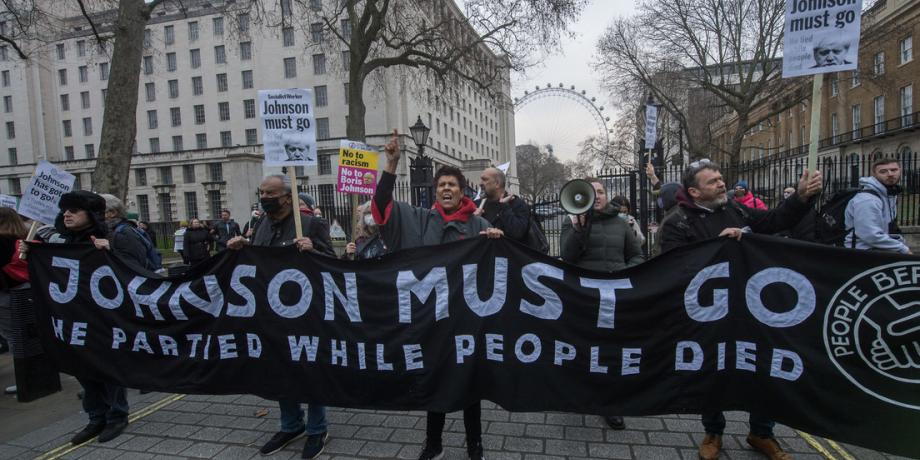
822, 339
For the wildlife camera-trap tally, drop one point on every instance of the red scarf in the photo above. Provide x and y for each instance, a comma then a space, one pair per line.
463, 213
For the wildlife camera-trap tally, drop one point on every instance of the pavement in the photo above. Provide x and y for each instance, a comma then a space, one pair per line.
175, 426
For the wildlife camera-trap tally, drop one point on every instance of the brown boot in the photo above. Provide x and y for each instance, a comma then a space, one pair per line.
711, 446
768, 447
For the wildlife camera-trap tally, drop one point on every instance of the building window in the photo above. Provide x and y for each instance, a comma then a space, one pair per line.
193, 31
177, 143
321, 97
226, 139
214, 202
247, 79
322, 128
191, 205
147, 38
287, 36
148, 65
60, 51
5, 77
84, 73
15, 186
319, 64
835, 128
218, 26
907, 104
87, 126
171, 62
346, 28
68, 131
906, 48
878, 63
201, 141
194, 58
199, 114
245, 51
84, 99
188, 174
290, 68
68, 153
223, 111
324, 164
14, 156
197, 86
169, 35
8, 104
878, 105
835, 88
216, 172
346, 59
166, 214
154, 145
173, 89
286, 8
81, 48
143, 207
220, 56
90, 150
4, 53
856, 119
150, 90
316, 5
152, 119
221, 82
243, 22
62, 77
175, 116
316, 32
104, 71
249, 108
346, 93
165, 173
252, 136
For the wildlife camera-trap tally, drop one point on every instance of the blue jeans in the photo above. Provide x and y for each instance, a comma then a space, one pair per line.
292, 418
104, 402
714, 423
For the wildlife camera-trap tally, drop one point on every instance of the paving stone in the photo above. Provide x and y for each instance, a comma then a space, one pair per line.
503, 455
210, 433
542, 457
644, 423
618, 451
99, 453
409, 452
495, 415
9, 451
189, 406
181, 431
561, 447
380, 449
734, 454
626, 436
188, 418
524, 444
170, 446
507, 428
527, 417
453, 440
135, 456
344, 446
576, 433
689, 426
492, 441
408, 436
544, 431
139, 443
670, 439
343, 431
244, 423
237, 453
400, 421
368, 419
203, 450
565, 419
373, 433
217, 420
654, 453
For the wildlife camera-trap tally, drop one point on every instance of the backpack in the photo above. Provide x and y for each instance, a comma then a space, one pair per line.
535, 237
154, 259
830, 226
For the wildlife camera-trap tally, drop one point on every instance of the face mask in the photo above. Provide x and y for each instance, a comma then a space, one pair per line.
270, 205
623, 216
369, 220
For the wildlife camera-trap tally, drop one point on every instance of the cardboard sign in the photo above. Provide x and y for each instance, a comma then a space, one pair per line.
8, 201
651, 126
821, 36
40, 199
357, 168
288, 131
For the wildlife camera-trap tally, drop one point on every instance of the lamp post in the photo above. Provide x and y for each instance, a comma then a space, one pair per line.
420, 167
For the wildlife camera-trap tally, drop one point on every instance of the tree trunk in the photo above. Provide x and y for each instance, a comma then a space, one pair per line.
355, 129
119, 123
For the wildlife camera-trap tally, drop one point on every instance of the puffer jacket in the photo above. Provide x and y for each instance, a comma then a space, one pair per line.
751, 201
868, 214
608, 246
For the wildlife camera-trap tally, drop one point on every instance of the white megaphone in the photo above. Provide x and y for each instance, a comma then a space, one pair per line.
577, 197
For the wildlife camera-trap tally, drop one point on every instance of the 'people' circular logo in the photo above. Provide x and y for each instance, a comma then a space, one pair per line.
872, 332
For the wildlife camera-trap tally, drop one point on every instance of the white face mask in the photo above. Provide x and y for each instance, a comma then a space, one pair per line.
369, 220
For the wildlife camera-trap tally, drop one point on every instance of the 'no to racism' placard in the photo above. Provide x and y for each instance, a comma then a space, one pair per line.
357, 168
288, 131
821, 36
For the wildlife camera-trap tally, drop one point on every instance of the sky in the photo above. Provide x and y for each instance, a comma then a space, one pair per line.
559, 121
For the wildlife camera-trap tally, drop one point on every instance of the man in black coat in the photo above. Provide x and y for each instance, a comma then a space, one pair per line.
225, 229
705, 212
504, 211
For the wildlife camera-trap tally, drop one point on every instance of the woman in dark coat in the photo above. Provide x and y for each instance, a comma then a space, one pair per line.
197, 242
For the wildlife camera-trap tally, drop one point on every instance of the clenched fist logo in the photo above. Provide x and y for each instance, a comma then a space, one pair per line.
898, 342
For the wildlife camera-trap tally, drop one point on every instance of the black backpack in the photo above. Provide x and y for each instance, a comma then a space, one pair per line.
535, 238
830, 226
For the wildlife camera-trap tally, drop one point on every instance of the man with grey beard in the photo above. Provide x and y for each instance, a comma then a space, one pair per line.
706, 212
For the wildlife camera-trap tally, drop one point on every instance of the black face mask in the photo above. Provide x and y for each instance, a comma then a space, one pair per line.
893, 190
270, 205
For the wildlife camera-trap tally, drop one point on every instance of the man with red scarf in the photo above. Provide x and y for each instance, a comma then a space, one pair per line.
404, 226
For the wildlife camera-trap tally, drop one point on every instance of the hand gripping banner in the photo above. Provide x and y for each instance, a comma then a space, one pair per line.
759, 325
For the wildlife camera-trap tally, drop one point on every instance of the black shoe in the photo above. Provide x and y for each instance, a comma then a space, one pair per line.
475, 451
315, 445
615, 422
112, 430
89, 432
279, 440
431, 452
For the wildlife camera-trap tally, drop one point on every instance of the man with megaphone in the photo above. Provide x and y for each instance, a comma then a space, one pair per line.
596, 238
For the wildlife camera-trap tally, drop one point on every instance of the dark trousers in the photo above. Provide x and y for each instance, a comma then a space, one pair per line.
714, 423
471, 423
104, 402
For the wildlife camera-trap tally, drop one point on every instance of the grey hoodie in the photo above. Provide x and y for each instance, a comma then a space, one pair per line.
868, 214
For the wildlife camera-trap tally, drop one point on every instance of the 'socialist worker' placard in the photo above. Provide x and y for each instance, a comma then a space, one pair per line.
41, 197
288, 132
821, 36
357, 168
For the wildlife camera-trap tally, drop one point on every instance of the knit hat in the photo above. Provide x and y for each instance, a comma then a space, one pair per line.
743, 184
667, 197
307, 199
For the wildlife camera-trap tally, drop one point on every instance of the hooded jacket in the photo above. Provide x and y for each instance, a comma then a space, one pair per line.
751, 201
609, 245
196, 244
869, 214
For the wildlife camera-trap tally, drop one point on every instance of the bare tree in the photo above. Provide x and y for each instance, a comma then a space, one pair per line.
700, 59
539, 170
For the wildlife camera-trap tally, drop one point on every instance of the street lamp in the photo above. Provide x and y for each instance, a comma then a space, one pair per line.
421, 167
420, 135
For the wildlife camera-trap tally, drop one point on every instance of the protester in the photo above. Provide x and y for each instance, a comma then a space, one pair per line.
13, 273
805, 229
367, 242
145, 226
179, 241
402, 226
197, 242
704, 211
307, 202
317, 211
83, 220
123, 238
667, 203
744, 196
224, 229
278, 231
253, 219
503, 210
621, 203
871, 215
602, 241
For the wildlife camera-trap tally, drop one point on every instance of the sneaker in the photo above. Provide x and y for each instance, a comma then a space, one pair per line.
431, 452
112, 430
315, 445
768, 447
279, 440
615, 422
10, 390
88, 432
475, 451
711, 446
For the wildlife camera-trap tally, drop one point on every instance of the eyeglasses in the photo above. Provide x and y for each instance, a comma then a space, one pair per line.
698, 164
